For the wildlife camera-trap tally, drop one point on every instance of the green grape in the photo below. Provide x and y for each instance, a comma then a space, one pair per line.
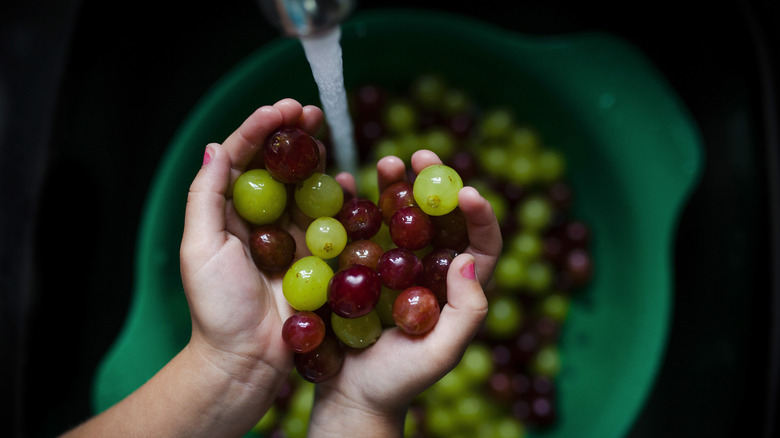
497, 201
258, 197
387, 146
497, 123
527, 245
555, 306
504, 427
521, 168
493, 158
319, 195
384, 308
383, 238
510, 271
547, 361
441, 420
551, 165
400, 116
436, 189
267, 421
410, 424
428, 91
453, 385
367, 184
357, 332
524, 140
454, 102
472, 410
535, 213
408, 144
505, 315
439, 141
477, 363
294, 426
305, 284
302, 399
296, 422
326, 237
539, 276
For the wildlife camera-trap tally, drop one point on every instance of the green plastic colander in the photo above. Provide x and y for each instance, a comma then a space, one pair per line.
634, 157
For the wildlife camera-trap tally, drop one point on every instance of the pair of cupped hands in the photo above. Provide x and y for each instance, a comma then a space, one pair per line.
238, 311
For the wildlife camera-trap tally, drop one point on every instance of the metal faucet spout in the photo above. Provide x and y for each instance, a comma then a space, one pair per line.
304, 18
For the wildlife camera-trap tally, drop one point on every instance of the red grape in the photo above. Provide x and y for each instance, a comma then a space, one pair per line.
399, 268
367, 131
465, 164
360, 252
450, 231
369, 100
579, 267
416, 310
291, 155
354, 291
461, 124
272, 247
361, 218
553, 249
435, 266
321, 363
394, 197
303, 331
560, 194
576, 233
410, 227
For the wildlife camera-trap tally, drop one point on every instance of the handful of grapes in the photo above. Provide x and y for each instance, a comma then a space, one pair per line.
506, 382
372, 265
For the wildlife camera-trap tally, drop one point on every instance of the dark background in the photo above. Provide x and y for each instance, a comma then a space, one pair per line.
91, 92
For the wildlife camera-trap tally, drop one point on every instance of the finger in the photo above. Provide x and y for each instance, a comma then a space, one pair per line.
465, 310
291, 111
390, 170
242, 145
311, 119
323, 157
422, 159
347, 182
245, 142
485, 242
204, 217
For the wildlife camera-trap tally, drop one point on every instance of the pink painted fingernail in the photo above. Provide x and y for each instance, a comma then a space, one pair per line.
468, 271
206, 156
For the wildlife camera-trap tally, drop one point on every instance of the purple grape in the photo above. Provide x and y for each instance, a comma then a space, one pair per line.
354, 291
322, 363
291, 155
399, 268
411, 228
361, 218
435, 266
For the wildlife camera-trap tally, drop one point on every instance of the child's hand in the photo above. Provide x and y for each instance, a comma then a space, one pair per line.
237, 310
229, 373
375, 385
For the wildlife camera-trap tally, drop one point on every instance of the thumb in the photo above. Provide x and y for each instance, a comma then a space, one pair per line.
204, 217
464, 291
466, 306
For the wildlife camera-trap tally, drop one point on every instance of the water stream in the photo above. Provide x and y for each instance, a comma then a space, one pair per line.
325, 58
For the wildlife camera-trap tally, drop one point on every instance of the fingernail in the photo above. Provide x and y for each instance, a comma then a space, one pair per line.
468, 271
206, 156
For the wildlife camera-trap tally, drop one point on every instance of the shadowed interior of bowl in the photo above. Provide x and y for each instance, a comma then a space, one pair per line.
633, 158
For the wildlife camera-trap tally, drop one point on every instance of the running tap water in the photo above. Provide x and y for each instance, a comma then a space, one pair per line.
316, 23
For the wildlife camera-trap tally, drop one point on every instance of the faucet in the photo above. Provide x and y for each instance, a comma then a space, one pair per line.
305, 18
